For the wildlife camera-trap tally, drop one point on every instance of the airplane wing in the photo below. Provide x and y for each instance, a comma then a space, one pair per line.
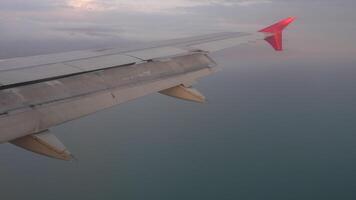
39, 92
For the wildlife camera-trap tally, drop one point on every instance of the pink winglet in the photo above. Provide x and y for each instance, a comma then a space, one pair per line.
276, 29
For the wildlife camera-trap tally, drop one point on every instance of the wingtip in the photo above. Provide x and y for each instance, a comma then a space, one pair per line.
274, 33
292, 18
289, 20
279, 26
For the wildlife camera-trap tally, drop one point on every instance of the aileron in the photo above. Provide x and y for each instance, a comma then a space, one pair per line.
36, 73
159, 52
102, 62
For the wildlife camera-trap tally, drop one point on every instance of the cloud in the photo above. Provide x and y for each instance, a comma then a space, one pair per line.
149, 6
144, 20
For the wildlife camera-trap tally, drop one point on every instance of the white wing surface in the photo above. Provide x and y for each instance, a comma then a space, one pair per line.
39, 92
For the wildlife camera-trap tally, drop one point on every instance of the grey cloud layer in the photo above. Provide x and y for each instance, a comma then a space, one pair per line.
122, 5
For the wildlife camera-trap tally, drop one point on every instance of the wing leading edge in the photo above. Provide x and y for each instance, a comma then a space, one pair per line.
39, 92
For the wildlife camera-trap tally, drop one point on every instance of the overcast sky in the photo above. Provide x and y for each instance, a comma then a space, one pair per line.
82, 24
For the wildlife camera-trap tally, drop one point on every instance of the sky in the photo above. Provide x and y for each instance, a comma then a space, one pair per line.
276, 125
149, 20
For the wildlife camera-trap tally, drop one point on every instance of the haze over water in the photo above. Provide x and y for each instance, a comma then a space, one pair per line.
276, 125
